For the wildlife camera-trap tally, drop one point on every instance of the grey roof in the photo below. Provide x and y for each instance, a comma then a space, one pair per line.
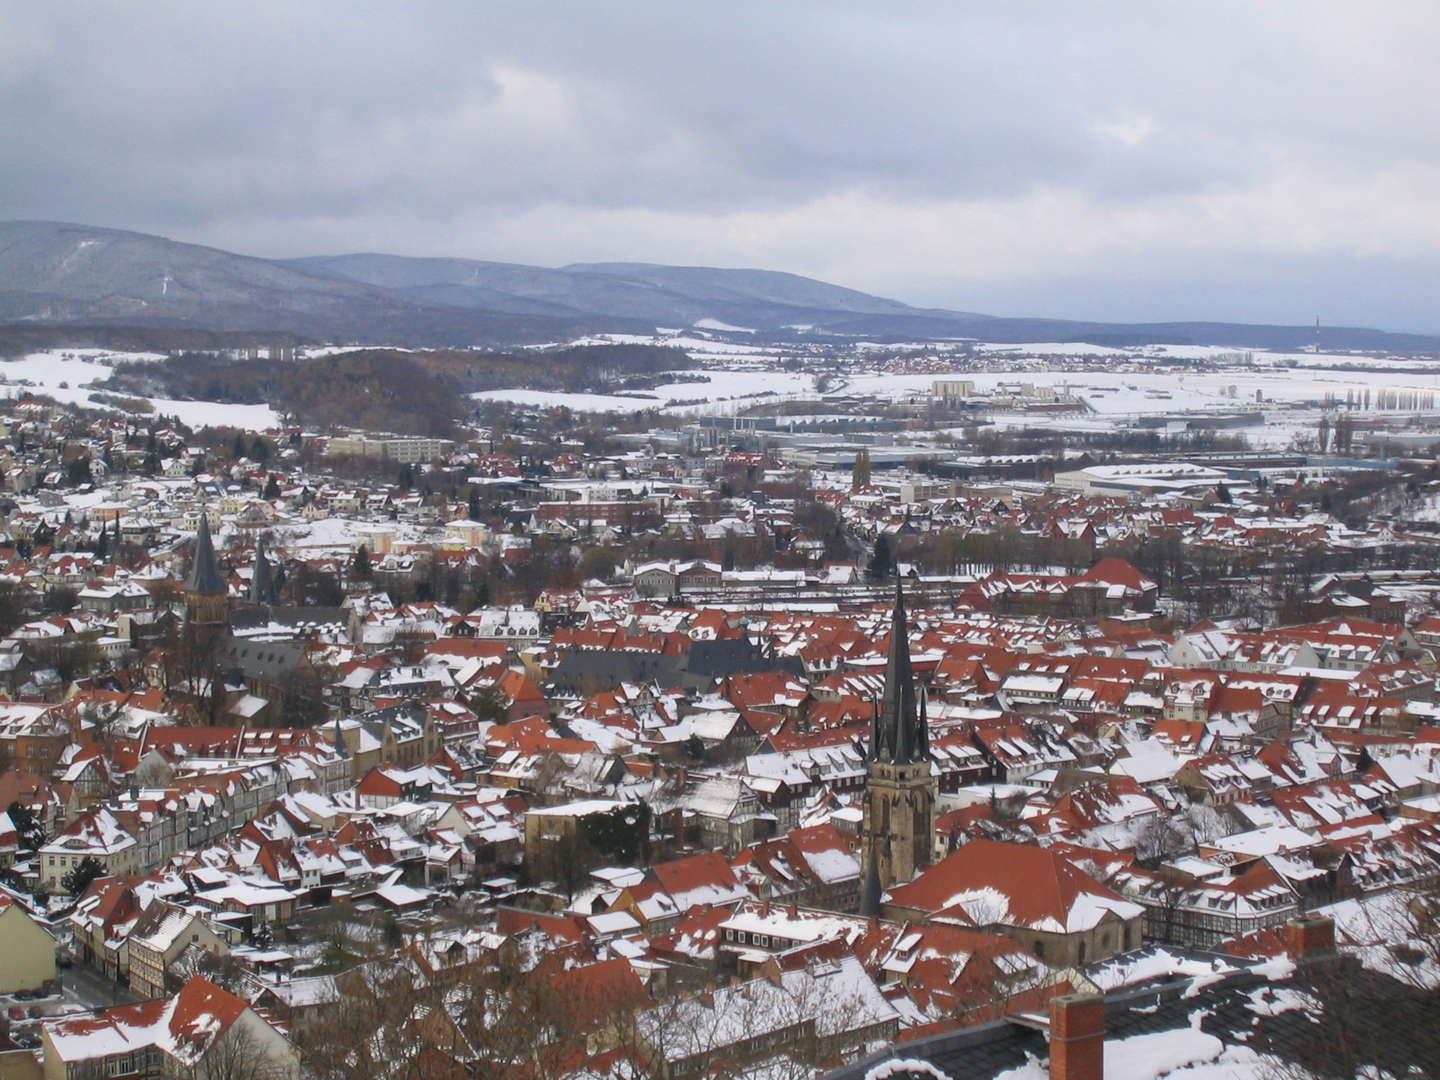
267, 661
735, 656
204, 570
294, 618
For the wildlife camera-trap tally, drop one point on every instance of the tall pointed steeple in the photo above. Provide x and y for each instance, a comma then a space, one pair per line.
204, 576
899, 789
899, 734
262, 585
207, 600
870, 887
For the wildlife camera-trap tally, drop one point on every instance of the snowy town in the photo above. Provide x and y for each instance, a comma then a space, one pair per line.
872, 735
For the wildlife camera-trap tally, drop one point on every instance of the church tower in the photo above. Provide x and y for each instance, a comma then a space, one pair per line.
899, 790
207, 600
262, 581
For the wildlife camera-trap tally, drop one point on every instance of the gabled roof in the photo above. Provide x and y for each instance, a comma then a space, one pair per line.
989, 883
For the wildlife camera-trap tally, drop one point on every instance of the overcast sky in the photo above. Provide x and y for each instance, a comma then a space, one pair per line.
1117, 160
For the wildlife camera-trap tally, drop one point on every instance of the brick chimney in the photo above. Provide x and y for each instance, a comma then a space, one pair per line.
1077, 1037
1310, 937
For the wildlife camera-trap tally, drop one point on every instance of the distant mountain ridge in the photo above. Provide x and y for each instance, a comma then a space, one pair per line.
56, 273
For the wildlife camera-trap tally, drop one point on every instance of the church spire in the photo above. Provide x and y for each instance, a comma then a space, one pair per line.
870, 889
899, 788
262, 586
205, 576
899, 735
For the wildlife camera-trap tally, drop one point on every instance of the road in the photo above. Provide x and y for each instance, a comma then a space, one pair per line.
93, 990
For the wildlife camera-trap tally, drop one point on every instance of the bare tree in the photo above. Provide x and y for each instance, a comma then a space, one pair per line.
238, 1054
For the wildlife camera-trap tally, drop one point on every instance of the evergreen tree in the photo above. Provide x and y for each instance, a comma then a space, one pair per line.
272, 487
360, 568
882, 561
78, 878
27, 826
860, 474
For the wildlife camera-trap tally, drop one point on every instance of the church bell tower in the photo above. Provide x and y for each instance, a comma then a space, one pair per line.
899, 790
207, 600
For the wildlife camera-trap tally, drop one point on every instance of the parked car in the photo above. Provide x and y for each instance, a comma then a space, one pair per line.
16, 1012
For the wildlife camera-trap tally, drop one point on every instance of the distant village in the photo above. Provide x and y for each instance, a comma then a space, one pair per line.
780, 745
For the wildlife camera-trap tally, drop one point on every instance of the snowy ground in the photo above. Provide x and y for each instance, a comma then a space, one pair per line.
1290, 399
726, 392
340, 535
742, 375
67, 374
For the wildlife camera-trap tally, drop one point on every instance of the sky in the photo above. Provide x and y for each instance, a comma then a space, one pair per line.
1148, 160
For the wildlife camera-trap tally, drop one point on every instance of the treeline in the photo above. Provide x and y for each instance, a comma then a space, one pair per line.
578, 369
375, 390
202, 376
415, 393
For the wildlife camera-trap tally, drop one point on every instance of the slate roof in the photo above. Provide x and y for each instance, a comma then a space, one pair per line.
266, 661
204, 577
293, 618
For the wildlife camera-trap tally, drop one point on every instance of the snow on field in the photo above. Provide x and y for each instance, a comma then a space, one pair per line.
341, 534
549, 399
218, 414
1054, 348
67, 374
716, 324
1152, 392
679, 339
312, 351
714, 396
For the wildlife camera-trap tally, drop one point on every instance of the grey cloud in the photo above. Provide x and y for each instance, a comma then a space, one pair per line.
709, 132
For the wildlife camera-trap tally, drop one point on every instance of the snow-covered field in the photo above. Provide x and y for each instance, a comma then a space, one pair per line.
1288, 388
340, 535
724, 393
1151, 392
1289, 398
67, 375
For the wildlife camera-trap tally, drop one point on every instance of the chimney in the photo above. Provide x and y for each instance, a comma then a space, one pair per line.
1310, 937
1077, 1037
